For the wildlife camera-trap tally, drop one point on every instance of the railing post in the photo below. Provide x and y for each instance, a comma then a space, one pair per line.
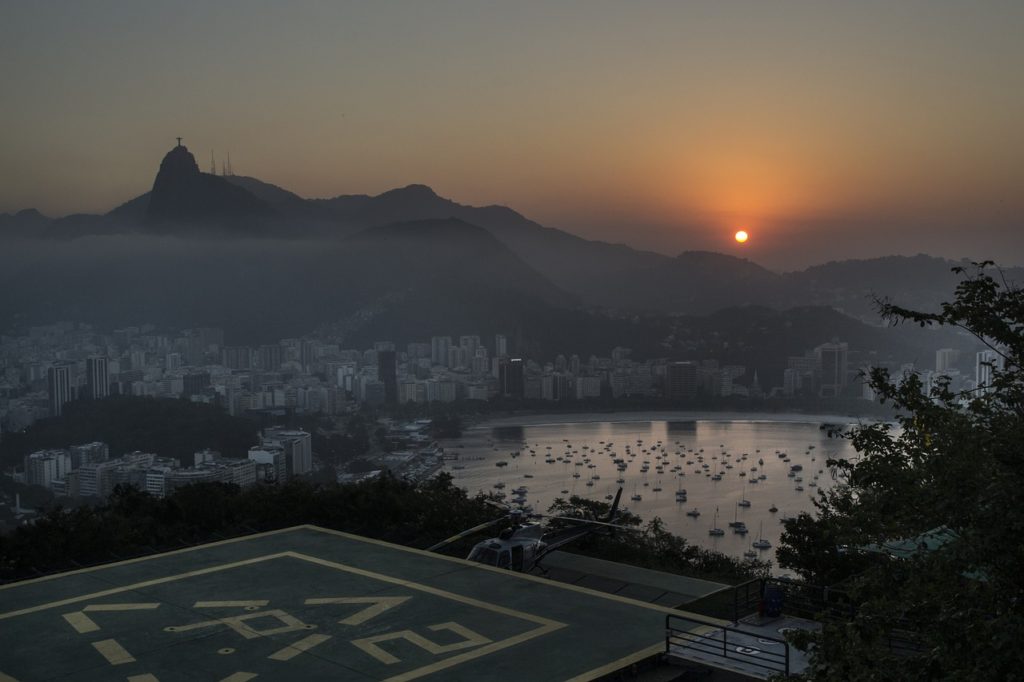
787, 658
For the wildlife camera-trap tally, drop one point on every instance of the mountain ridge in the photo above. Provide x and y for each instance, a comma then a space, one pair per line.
187, 203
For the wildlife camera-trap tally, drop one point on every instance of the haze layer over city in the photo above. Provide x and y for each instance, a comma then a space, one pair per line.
449, 322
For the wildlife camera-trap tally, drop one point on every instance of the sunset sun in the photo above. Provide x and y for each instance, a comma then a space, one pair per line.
741, 236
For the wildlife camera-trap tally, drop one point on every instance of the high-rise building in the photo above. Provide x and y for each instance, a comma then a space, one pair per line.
984, 363
97, 378
46, 466
88, 453
500, 346
832, 362
195, 383
945, 359
439, 346
59, 384
296, 445
387, 373
270, 357
236, 357
469, 344
681, 380
511, 377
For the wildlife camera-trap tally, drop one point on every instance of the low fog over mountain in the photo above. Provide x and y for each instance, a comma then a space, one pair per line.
263, 262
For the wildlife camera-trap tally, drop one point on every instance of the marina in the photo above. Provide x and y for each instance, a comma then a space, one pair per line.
692, 474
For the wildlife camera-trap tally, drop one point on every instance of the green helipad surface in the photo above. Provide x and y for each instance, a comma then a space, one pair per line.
310, 604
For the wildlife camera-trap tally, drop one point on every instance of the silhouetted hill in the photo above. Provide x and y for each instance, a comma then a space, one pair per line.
27, 223
920, 282
557, 266
577, 265
183, 198
694, 282
256, 289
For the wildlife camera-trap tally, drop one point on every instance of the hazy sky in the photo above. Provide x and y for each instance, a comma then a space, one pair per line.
827, 129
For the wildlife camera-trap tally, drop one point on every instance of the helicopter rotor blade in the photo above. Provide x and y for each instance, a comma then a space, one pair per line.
590, 522
469, 531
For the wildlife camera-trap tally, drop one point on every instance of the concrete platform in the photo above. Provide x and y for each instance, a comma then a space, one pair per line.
751, 649
642, 584
307, 603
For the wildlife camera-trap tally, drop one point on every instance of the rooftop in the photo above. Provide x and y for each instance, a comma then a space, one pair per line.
310, 603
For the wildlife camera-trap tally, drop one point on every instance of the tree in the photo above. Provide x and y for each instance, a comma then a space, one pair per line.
948, 480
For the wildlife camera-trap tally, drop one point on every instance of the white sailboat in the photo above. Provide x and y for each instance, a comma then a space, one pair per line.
760, 542
715, 530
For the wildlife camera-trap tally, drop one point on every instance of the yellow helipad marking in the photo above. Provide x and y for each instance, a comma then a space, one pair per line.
83, 623
462, 599
113, 652
378, 606
303, 645
239, 603
546, 625
289, 623
139, 585
471, 639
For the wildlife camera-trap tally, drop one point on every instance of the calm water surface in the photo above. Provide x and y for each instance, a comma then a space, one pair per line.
749, 455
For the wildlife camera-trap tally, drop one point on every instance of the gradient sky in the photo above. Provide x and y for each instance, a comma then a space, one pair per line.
826, 129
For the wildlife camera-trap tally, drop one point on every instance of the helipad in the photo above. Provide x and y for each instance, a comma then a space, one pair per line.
308, 603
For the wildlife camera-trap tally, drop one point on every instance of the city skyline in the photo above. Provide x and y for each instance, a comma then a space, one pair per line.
827, 132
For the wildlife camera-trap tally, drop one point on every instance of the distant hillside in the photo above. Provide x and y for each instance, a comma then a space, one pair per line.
536, 261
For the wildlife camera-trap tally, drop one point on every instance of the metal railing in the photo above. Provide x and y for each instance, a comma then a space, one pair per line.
746, 598
814, 601
715, 644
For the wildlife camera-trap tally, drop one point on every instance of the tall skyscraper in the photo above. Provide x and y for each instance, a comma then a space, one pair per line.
512, 377
59, 384
832, 360
97, 378
500, 346
681, 380
945, 359
984, 363
387, 373
439, 349
270, 357
469, 344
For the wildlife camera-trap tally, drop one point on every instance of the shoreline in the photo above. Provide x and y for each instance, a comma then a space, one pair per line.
663, 415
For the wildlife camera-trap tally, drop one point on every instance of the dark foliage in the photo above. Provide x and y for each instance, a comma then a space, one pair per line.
170, 428
953, 466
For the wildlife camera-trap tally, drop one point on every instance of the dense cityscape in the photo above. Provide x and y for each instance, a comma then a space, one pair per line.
53, 365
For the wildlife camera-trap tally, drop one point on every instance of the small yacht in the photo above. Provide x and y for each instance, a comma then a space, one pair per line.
693, 512
715, 530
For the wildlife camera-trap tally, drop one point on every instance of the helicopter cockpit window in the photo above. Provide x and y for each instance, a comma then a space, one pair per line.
484, 555
504, 559
517, 557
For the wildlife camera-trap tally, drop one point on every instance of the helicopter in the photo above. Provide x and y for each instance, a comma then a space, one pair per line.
523, 544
